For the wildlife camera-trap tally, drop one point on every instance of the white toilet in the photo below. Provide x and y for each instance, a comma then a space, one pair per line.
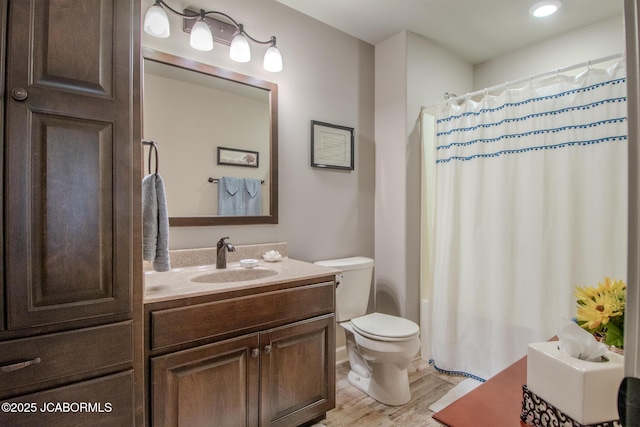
380, 346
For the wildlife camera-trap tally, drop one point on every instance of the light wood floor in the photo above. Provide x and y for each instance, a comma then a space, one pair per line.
355, 408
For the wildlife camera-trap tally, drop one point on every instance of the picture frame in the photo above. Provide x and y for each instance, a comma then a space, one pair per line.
332, 146
236, 157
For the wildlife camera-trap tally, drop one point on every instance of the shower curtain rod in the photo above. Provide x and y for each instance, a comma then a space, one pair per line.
538, 76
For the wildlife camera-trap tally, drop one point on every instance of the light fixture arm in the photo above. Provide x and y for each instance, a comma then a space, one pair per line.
206, 29
271, 41
184, 15
203, 14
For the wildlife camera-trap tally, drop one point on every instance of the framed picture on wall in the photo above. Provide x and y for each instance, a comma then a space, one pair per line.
331, 146
235, 157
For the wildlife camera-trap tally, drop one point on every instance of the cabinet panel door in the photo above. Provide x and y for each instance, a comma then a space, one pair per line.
101, 402
212, 385
297, 372
69, 158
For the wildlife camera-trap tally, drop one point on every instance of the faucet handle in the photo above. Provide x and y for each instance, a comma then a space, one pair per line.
222, 242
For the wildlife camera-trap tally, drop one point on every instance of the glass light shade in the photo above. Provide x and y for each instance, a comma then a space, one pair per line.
545, 8
239, 50
156, 22
272, 60
201, 38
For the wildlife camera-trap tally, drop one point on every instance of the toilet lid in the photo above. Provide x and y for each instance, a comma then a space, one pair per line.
383, 326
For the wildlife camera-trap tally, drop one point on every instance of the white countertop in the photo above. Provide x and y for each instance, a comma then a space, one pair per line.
177, 283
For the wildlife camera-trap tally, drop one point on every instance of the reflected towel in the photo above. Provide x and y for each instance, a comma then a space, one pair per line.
230, 196
155, 223
252, 196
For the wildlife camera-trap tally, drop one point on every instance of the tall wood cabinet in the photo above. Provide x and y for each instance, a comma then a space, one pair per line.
71, 258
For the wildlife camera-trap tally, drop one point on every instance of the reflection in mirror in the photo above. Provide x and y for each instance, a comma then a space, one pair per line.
211, 123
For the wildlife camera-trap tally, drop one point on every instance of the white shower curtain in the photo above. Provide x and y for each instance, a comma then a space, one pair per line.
530, 201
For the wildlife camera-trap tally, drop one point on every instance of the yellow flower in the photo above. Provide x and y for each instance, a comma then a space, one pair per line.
585, 292
593, 312
597, 305
601, 310
611, 287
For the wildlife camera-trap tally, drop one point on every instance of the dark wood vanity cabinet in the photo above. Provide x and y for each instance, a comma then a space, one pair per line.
297, 372
251, 362
70, 284
215, 384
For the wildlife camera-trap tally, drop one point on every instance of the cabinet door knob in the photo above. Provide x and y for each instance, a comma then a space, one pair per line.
20, 365
19, 94
255, 353
267, 349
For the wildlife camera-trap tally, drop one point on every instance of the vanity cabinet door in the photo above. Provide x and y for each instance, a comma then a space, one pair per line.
297, 368
211, 385
69, 159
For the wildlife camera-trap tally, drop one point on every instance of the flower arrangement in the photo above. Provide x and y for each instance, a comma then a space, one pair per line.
601, 310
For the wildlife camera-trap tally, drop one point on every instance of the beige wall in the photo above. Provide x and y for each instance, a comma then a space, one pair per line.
328, 76
411, 72
591, 42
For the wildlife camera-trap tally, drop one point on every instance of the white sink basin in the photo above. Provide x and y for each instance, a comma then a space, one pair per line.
234, 275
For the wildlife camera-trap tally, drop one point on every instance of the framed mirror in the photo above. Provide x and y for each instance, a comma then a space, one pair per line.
214, 129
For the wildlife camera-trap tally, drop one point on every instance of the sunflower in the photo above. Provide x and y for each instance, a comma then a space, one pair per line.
585, 292
601, 310
593, 312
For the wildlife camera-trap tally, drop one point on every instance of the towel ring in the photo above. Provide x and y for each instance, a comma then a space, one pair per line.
153, 147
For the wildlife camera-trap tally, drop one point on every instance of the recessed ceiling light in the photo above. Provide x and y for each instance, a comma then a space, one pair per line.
545, 8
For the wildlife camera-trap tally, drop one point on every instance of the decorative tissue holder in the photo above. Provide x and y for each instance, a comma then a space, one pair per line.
585, 391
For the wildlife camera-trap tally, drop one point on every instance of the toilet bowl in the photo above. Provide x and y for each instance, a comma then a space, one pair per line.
380, 346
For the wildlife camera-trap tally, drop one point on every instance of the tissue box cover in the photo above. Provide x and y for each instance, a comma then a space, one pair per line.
585, 391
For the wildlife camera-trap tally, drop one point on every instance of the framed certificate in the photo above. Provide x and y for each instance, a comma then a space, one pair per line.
331, 146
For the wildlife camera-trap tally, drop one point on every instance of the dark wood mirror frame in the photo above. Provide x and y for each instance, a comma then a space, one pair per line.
189, 64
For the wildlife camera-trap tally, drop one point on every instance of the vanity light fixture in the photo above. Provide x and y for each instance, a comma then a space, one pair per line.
205, 29
545, 8
156, 22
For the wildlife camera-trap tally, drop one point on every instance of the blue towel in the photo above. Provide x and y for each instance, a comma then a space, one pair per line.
252, 196
155, 223
230, 196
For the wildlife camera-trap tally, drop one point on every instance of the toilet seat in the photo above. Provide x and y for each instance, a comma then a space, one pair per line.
384, 327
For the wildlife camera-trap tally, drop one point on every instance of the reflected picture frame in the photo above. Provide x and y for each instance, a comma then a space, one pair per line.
332, 146
236, 157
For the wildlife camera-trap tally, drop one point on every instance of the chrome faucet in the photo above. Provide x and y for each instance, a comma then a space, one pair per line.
221, 252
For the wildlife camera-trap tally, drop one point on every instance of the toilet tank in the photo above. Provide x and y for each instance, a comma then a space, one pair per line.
353, 286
